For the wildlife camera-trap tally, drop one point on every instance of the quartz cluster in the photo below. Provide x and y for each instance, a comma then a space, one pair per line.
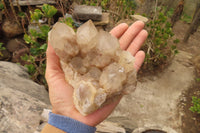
94, 65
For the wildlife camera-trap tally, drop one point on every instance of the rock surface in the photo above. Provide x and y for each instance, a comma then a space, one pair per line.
18, 48
14, 44
93, 63
128, 124
83, 12
11, 28
109, 127
104, 20
33, 2
21, 100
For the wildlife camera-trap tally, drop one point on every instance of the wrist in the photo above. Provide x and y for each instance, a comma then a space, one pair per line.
74, 114
69, 125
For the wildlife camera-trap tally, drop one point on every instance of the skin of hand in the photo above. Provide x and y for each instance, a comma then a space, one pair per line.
60, 92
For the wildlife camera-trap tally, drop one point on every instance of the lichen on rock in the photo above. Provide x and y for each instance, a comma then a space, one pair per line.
94, 65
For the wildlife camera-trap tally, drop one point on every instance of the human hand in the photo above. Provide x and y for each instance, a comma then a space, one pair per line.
61, 93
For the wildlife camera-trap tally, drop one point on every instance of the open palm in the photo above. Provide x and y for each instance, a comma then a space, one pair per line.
60, 92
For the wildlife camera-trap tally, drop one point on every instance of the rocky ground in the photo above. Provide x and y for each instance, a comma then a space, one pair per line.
190, 121
21, 100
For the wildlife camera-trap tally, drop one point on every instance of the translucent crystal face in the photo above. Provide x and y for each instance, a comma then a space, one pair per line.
63, 40
94, 65
85, 35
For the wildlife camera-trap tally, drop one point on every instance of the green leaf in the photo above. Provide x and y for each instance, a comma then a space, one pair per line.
173, 47
43, 47
168, 25
36, 15
28, 39
170, 12
186, 18
198, 79
49, 11
25, 57
161, 55
44, 29
165, 57
1, 44
157, 51
176, 52
22, 14
157, 41
93, 4
31, 68
176, 41
33, 33
69, 22
1, 6
165, 36
34, 51
2, 48
196, 105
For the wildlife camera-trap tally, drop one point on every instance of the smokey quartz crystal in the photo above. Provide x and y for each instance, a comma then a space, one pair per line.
94, 65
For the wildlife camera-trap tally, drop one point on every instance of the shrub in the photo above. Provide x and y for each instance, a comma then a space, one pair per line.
48, 11
195, 108
37, 41
36, 58
158, 47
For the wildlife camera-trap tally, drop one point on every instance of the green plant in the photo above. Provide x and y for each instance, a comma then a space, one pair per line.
195, 108
198, 79
36, 58
37, 40
68, 21
170, 12
1, 5
48, 11
36, 15
157, 47
1, 48
186, 18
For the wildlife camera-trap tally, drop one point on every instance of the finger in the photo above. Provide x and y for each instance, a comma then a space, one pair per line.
130, 34
52, 58
139, 59
55, 76
137, 42
119, 30
53, 68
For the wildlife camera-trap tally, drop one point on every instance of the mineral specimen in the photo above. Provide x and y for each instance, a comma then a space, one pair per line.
94, 65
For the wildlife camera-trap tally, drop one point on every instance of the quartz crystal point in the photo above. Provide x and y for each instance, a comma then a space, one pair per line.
94, 65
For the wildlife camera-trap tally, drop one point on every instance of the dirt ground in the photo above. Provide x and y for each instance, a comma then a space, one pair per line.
193, 44
191, 121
